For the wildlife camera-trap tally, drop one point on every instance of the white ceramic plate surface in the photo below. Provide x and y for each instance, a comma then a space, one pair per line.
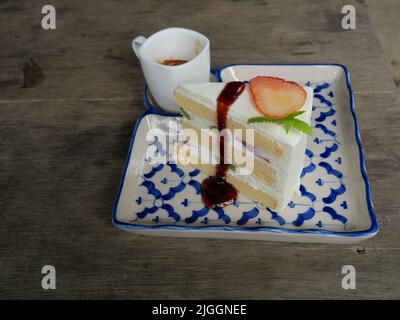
335, 204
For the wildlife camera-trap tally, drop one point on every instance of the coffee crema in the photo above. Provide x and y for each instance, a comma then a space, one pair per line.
173, 62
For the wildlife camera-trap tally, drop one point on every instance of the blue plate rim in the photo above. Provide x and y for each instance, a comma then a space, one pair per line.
372, 230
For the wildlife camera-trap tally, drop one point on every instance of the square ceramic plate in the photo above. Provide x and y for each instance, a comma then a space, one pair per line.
334, 205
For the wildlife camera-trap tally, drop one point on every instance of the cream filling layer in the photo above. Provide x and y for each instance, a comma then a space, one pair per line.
276, 192
279, 165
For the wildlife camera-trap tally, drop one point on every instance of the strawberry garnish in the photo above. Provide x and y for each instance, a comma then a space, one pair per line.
276, 97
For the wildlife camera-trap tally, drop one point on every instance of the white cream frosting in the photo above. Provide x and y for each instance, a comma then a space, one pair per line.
289, 166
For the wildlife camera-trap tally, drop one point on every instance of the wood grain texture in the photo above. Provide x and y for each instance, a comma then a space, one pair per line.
64, 141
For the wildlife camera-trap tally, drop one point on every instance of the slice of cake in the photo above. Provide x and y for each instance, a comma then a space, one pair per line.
279, 112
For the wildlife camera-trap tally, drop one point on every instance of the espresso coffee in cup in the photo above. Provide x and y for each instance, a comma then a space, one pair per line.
173, 62
170, 57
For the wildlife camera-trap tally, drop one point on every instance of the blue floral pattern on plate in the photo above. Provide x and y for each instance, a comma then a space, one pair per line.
318, 201
169, 195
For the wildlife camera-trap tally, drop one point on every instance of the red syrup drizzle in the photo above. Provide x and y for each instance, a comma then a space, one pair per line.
215, 190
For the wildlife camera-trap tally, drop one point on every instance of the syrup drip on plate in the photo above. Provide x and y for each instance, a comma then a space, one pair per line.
215, 190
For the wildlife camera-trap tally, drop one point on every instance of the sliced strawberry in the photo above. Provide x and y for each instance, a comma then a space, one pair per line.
276, 97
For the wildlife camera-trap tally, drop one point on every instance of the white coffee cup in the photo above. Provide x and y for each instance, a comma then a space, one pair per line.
172, 43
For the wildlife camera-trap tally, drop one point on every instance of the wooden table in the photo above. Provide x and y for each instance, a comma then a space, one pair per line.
64, 139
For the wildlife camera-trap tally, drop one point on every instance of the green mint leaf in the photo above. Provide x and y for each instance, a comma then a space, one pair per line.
288, 123
302, 126
262, 119
185, 114
231, 167
294, 114
213, 128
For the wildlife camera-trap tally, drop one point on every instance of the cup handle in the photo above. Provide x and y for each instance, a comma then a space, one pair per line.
137, 43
